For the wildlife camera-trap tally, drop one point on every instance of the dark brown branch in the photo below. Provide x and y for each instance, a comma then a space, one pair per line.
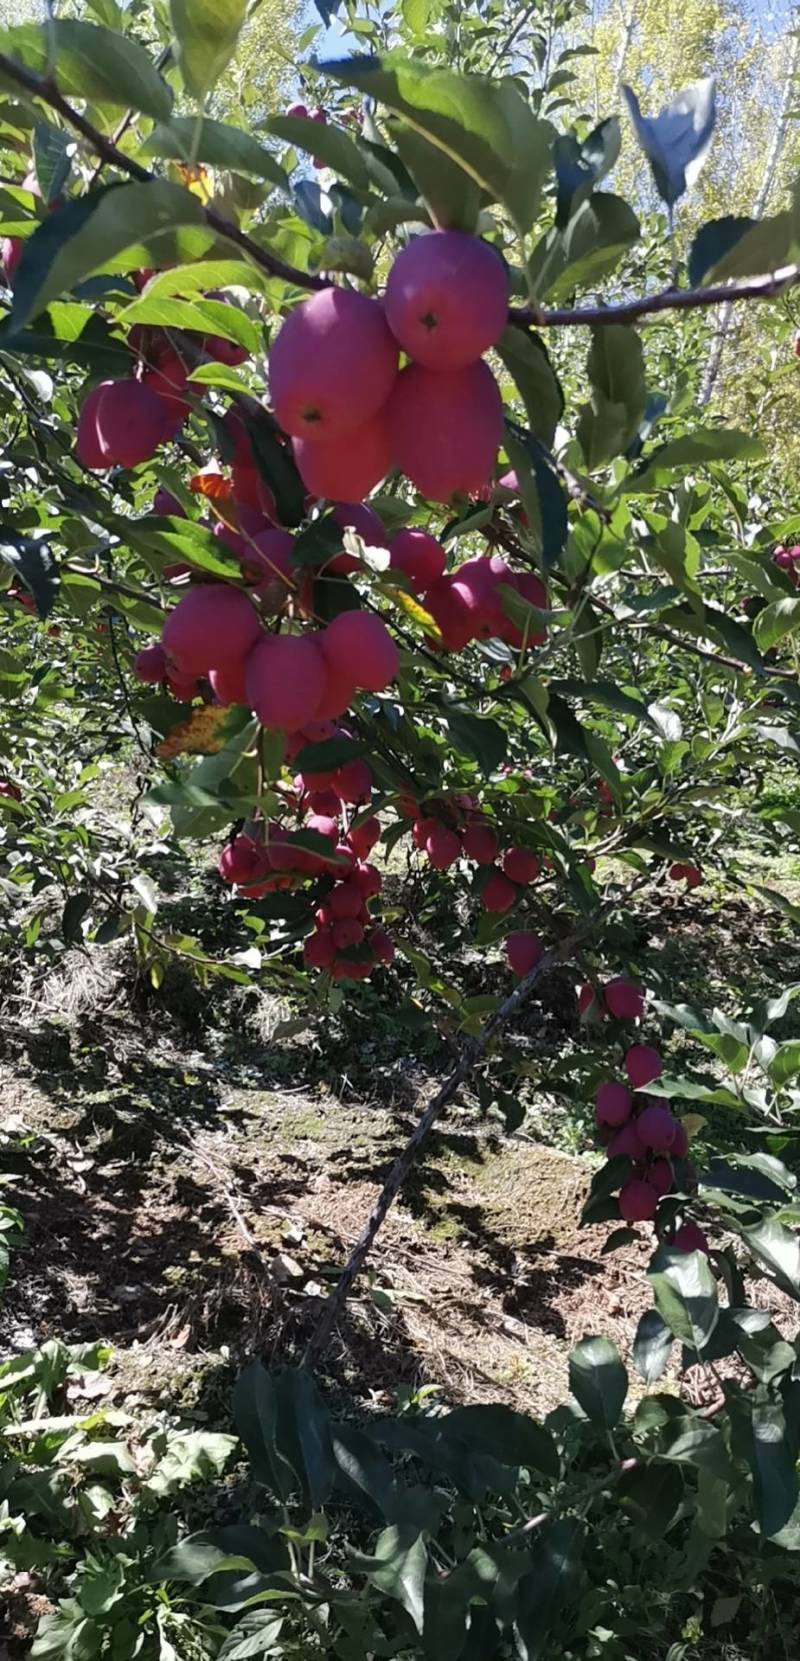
472, 1052
768, 287
108, 152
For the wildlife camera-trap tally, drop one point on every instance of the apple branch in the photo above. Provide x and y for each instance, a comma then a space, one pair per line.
46, 89
767, 287
472, 1052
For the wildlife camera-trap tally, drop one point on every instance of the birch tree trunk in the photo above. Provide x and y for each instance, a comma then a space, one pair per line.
765, 189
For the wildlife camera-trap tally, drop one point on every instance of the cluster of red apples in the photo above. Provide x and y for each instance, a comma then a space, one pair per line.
346, 939
466, 833
123, 423
336, 384
788, 560
635, 1126
216, 633
352, 408
337, 387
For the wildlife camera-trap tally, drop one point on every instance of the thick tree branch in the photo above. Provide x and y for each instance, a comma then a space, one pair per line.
472, 1052
108, 152
768, 287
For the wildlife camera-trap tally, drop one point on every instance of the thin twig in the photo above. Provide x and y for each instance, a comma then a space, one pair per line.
123, 686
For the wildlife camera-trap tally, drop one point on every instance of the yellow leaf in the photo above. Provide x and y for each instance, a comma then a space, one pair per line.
196, 179
414, 610
202, 735
693, 1124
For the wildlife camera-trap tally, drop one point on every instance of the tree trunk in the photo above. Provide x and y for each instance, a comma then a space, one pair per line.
765, 189
627, 37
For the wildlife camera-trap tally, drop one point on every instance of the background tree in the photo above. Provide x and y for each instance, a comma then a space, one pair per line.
508, 606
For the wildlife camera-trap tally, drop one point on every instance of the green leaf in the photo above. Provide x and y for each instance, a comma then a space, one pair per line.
418, 14
202, 275
72, 916
329, 755
651, 1346
452, 198
477, 736
506, 1435
541, 493
206, 32
103, 1458
616, 371
70, 333
756, 1176
304, 1432
51, 159
65, 1632
257, 1633
485, 126
767, 245
716, 1097
677, 140
654, 1495
603, 692
581, 165
218, 375
200, 1556
691, 1442
85, 234
322, 138
189, 541
772, 1460
778, 619
398, 1568
102, 65
547, 1593
216, 145
475, 1474
685, 1294
278, 470
591, 247
527, 361
318, 542
198, 316
362, 1468
694, 449
192, 1456
712, 242
33, 564
255, 1415
778, 1249
731, 1050
448, 1600
785, 1063
733, 636
773, 1009
598, 1380
674, 548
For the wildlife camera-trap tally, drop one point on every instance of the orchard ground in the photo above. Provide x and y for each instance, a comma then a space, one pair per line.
193, 1170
